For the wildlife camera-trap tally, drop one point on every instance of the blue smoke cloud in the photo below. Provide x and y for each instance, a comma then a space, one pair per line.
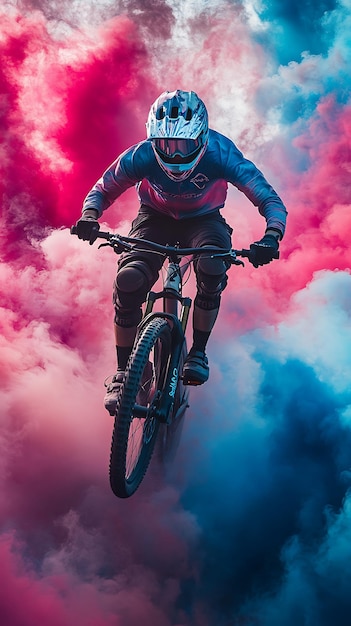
265, 498
312, 54
271, 491
297, 27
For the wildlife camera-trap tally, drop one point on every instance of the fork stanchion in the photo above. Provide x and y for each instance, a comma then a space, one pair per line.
185, 313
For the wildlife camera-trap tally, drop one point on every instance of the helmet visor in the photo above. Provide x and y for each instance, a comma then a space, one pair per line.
175, 151
172, 147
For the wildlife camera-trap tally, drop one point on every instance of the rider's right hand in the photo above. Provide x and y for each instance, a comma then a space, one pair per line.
87, 228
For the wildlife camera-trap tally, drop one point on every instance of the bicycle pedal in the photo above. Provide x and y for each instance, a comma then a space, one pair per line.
191, 383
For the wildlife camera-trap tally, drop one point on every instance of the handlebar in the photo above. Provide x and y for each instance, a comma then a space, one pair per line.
120, 244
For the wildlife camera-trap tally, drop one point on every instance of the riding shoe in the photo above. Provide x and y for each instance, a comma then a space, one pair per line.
195, 369
113, 388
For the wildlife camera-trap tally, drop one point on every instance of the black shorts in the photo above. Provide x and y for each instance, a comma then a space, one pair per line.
210, 229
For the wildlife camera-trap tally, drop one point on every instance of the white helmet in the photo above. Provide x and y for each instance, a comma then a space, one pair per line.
178, 129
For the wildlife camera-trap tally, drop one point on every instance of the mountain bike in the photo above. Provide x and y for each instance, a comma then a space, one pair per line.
154, 395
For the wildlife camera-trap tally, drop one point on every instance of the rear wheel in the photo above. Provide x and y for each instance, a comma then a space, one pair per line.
136, 427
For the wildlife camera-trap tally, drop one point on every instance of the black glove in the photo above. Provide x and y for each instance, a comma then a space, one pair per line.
87, 228
264, 251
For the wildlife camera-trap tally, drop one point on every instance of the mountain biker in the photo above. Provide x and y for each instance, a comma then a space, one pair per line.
181, 172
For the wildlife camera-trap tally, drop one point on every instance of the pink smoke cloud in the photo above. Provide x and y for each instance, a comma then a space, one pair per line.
317, 237
318, 234
62, 118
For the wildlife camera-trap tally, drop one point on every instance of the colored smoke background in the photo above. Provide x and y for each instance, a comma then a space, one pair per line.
253, 525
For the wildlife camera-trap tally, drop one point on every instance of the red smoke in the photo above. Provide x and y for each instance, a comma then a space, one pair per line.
71, 106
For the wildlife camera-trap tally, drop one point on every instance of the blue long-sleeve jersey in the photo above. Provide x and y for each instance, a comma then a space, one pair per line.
205, 190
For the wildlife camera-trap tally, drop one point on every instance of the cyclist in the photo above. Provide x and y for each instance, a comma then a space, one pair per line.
181, 172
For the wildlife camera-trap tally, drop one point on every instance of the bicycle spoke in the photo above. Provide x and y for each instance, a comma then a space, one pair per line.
135, 441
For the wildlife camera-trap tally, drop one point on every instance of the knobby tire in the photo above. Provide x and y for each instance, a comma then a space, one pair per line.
133, 438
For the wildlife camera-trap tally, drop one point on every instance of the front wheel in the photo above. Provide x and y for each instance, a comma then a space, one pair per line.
136, 427
170, 434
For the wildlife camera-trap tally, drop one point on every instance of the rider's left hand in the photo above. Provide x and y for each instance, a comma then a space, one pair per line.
264, 250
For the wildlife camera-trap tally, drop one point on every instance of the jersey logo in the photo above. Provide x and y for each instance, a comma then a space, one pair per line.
200, 180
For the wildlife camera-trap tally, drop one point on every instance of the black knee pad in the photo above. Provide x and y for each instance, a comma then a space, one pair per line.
211, 280
132, 277
133, 281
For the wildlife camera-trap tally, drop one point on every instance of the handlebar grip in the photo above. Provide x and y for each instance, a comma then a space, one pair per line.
248, 254
99, 234
244, 253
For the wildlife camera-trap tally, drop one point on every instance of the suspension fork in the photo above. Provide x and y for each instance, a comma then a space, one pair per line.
172, 296
166, 401
185, 307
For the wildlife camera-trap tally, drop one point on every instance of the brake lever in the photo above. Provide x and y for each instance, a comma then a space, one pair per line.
117, 245
120, 246
234, 259
102, 245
